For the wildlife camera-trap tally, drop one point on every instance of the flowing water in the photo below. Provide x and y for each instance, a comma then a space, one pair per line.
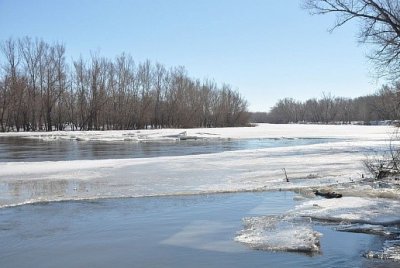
176, 231
13, 149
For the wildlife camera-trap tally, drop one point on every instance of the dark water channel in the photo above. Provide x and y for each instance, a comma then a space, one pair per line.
13, 149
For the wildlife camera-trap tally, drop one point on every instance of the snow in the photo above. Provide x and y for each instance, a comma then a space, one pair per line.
260, 131
334, 165
375, 211
376, 216
293, 231
222, 172
307, 166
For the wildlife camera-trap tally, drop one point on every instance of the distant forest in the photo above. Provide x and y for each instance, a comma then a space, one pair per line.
40, 91
383, 105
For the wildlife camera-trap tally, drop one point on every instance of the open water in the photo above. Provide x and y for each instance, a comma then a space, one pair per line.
17, 149
175, 231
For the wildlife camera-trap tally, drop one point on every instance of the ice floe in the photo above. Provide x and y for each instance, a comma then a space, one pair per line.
376, 211
390, 251
359, 214
277, 233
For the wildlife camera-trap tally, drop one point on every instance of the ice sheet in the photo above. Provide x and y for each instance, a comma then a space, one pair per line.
375, 211
360, 214
260, 131
276, 233
246, 170
224, 172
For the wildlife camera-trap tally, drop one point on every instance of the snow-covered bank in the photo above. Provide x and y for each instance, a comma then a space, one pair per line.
260, 131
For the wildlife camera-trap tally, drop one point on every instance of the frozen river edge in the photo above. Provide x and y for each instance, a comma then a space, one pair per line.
308, 166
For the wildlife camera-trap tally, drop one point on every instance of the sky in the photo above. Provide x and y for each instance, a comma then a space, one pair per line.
265, 49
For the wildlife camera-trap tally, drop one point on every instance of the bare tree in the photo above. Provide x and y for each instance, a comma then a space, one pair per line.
383, 105
4, 106
82, 91
160, 84
313, 111
39, 91
32, 52
14, 82
380, 25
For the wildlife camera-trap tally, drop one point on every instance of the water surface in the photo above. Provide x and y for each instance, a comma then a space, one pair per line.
176, 231
14, 149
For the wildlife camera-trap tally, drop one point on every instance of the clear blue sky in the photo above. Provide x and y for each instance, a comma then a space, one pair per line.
266, 49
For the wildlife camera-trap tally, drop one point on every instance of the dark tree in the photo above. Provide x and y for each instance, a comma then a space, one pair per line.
39, 90
380, 26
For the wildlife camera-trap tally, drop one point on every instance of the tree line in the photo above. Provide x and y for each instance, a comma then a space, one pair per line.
40, 91
383, 105
379, 26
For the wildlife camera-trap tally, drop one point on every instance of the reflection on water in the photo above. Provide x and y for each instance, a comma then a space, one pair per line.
26, 191
44, 187
23, 149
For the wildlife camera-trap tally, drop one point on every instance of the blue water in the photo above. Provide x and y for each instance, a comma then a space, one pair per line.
13, 149
176, 231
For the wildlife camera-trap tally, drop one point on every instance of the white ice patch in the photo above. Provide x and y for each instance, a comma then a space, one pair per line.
279, 234
376, 216
368, 229
116, 136
352, 209
260, 131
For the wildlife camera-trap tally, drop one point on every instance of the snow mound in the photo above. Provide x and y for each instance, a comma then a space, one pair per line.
279, 234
